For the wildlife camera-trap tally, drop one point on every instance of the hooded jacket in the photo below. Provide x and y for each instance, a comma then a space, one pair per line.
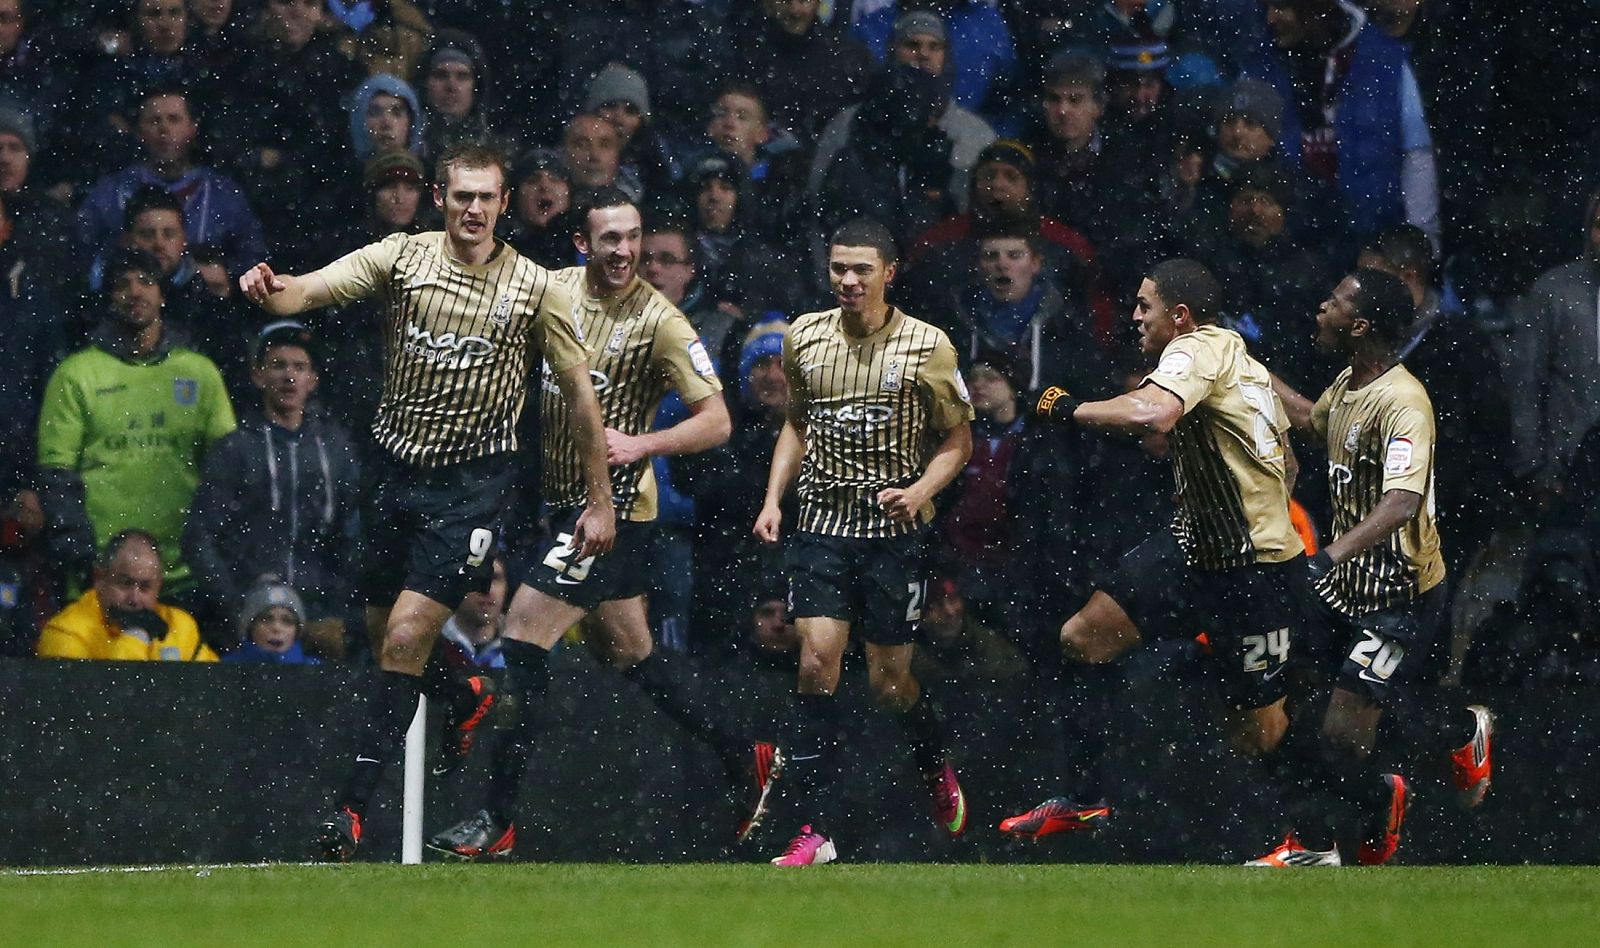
279, 502
215, 213
360, 140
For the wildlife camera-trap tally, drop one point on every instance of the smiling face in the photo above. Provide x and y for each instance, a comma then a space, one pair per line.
859, 278
472, 199
610, 243
768, 383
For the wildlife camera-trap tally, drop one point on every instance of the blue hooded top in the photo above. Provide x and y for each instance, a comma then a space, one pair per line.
362, 97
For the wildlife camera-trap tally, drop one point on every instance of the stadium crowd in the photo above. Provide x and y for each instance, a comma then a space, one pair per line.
181, 474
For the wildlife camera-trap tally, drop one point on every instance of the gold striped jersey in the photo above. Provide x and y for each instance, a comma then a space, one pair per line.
643, 348
874, 409
1227, 453
1380, 438
455, 355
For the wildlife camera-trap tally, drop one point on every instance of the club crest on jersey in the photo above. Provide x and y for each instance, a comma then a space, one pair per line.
614, 344
891, 376
501, 314
1353, 438
185, 391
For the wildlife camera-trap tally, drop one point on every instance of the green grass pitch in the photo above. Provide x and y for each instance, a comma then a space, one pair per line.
711, 905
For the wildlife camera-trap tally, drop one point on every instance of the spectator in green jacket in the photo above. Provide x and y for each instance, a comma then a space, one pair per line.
124, 427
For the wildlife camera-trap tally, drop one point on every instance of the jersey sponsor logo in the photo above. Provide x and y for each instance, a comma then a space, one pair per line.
447, 350
501, 314
1175, 365
891, 376
547, 381
1353, 439
700, 359
1398, 459
185, 391
854, 420
113, 390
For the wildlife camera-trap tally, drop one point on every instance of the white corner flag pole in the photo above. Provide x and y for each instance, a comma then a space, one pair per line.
411, 807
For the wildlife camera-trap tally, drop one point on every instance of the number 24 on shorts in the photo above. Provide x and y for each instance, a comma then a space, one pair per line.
559, 559
1275, 643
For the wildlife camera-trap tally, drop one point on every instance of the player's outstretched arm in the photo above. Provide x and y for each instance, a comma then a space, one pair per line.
1149, 409
1296, 406
707, 426
283, 294
949, 458
596, 529
785, 468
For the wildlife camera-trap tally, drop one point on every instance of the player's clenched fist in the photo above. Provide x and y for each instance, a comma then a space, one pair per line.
259, 282
767, 524
1055, 404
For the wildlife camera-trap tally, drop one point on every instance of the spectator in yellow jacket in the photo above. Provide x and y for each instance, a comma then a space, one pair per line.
119, 618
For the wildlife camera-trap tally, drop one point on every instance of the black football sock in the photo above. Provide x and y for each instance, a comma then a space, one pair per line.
813, 755
1318, 769
523, 706
390, 710
445, 684
665, 682
1431, 721
1092, 694
926, 734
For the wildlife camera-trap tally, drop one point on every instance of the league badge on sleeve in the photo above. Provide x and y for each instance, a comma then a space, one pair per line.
1398, 459
701, 360
961, 388
1175, 365
185, 391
